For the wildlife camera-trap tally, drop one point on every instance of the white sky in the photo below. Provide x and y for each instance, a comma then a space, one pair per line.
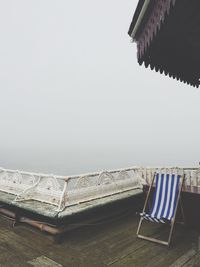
74, 99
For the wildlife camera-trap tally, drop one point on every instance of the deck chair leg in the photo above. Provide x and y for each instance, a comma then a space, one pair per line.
182, 211
139, 226
173, 220
145, 204
170, 233
182, 219
181, 205
171, 230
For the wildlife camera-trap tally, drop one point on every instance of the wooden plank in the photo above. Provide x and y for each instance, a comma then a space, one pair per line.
184, 258
117, 243
43, 261
157, 255
182, 243
110, 242
194, 261
136, 245
139, 257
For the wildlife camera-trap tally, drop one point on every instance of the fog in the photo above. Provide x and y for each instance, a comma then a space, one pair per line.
74, 99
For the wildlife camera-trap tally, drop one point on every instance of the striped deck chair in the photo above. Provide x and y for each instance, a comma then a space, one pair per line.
166, 198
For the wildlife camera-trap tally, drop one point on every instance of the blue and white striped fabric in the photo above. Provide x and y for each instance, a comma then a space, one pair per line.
164, 199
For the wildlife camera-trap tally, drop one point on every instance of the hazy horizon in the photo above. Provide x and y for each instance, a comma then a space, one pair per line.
74, 99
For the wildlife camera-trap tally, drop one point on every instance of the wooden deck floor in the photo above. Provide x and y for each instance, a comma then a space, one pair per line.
109, 242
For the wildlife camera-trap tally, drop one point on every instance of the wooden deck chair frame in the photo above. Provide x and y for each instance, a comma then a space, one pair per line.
179, 201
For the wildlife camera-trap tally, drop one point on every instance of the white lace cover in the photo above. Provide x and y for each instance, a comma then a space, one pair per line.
64, 191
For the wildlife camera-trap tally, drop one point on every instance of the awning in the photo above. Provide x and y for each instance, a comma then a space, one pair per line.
167, 33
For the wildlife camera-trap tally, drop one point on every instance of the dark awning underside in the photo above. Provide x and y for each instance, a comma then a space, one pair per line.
167, 33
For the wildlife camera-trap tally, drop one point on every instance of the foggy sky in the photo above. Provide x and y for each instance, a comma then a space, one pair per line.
74, 99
